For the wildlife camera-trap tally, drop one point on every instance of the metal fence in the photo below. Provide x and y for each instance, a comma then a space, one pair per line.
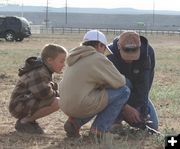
37, 29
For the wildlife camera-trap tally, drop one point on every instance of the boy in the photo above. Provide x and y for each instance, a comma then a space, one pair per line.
35, 94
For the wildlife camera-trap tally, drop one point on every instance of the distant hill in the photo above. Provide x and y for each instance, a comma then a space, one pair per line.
119, 18
18, 8
90, 20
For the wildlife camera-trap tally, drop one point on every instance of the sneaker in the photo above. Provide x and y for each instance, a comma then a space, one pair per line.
39, 130
72, 128
31, 127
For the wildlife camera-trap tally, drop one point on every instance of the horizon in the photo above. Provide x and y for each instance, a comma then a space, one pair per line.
113, 4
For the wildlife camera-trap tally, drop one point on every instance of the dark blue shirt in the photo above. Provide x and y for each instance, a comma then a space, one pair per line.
140, 72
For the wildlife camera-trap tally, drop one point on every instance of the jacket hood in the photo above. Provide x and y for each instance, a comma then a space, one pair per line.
30, 64
78, 53
144, 45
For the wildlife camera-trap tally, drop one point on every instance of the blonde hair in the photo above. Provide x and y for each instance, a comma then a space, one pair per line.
51, 51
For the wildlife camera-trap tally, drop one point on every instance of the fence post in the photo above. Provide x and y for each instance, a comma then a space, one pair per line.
107, 31
63, 30
41, 30
52, 30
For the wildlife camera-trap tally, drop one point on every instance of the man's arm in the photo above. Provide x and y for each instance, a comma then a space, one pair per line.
141, 87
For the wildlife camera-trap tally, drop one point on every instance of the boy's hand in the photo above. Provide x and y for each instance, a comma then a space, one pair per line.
57, 93
131, 115
54, 85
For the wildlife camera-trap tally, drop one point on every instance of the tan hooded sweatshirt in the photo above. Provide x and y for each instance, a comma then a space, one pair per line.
86, 77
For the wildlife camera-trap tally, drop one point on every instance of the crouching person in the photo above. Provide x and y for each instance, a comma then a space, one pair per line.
91, 86
35, 94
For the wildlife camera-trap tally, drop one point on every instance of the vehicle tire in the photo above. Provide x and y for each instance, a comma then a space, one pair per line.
19, 39
9, 36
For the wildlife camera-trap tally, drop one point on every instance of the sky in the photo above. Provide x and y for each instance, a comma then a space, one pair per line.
137, 4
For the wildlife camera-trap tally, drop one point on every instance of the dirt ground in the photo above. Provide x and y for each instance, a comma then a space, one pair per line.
165, 95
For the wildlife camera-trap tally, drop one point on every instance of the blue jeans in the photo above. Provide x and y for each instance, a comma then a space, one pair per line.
104, 120
153, 116
151, 110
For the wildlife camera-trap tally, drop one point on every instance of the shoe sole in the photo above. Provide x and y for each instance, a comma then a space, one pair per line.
70, 130
28, 128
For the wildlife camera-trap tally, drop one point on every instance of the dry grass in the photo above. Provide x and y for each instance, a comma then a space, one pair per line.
165, 94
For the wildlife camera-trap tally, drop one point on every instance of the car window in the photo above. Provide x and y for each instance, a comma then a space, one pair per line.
12, 21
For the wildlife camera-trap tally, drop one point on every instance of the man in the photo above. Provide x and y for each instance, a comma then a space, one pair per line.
91, 86
134, 58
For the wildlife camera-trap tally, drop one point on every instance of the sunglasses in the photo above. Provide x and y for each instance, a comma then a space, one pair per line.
130, 49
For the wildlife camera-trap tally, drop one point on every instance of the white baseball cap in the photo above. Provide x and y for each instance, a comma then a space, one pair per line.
95, 35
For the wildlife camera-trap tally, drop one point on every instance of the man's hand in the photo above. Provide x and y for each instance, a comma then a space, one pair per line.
131, 115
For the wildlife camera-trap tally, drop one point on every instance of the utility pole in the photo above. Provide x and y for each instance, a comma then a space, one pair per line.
22, 11
7, 2
153, 12
66, 12
46, 20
